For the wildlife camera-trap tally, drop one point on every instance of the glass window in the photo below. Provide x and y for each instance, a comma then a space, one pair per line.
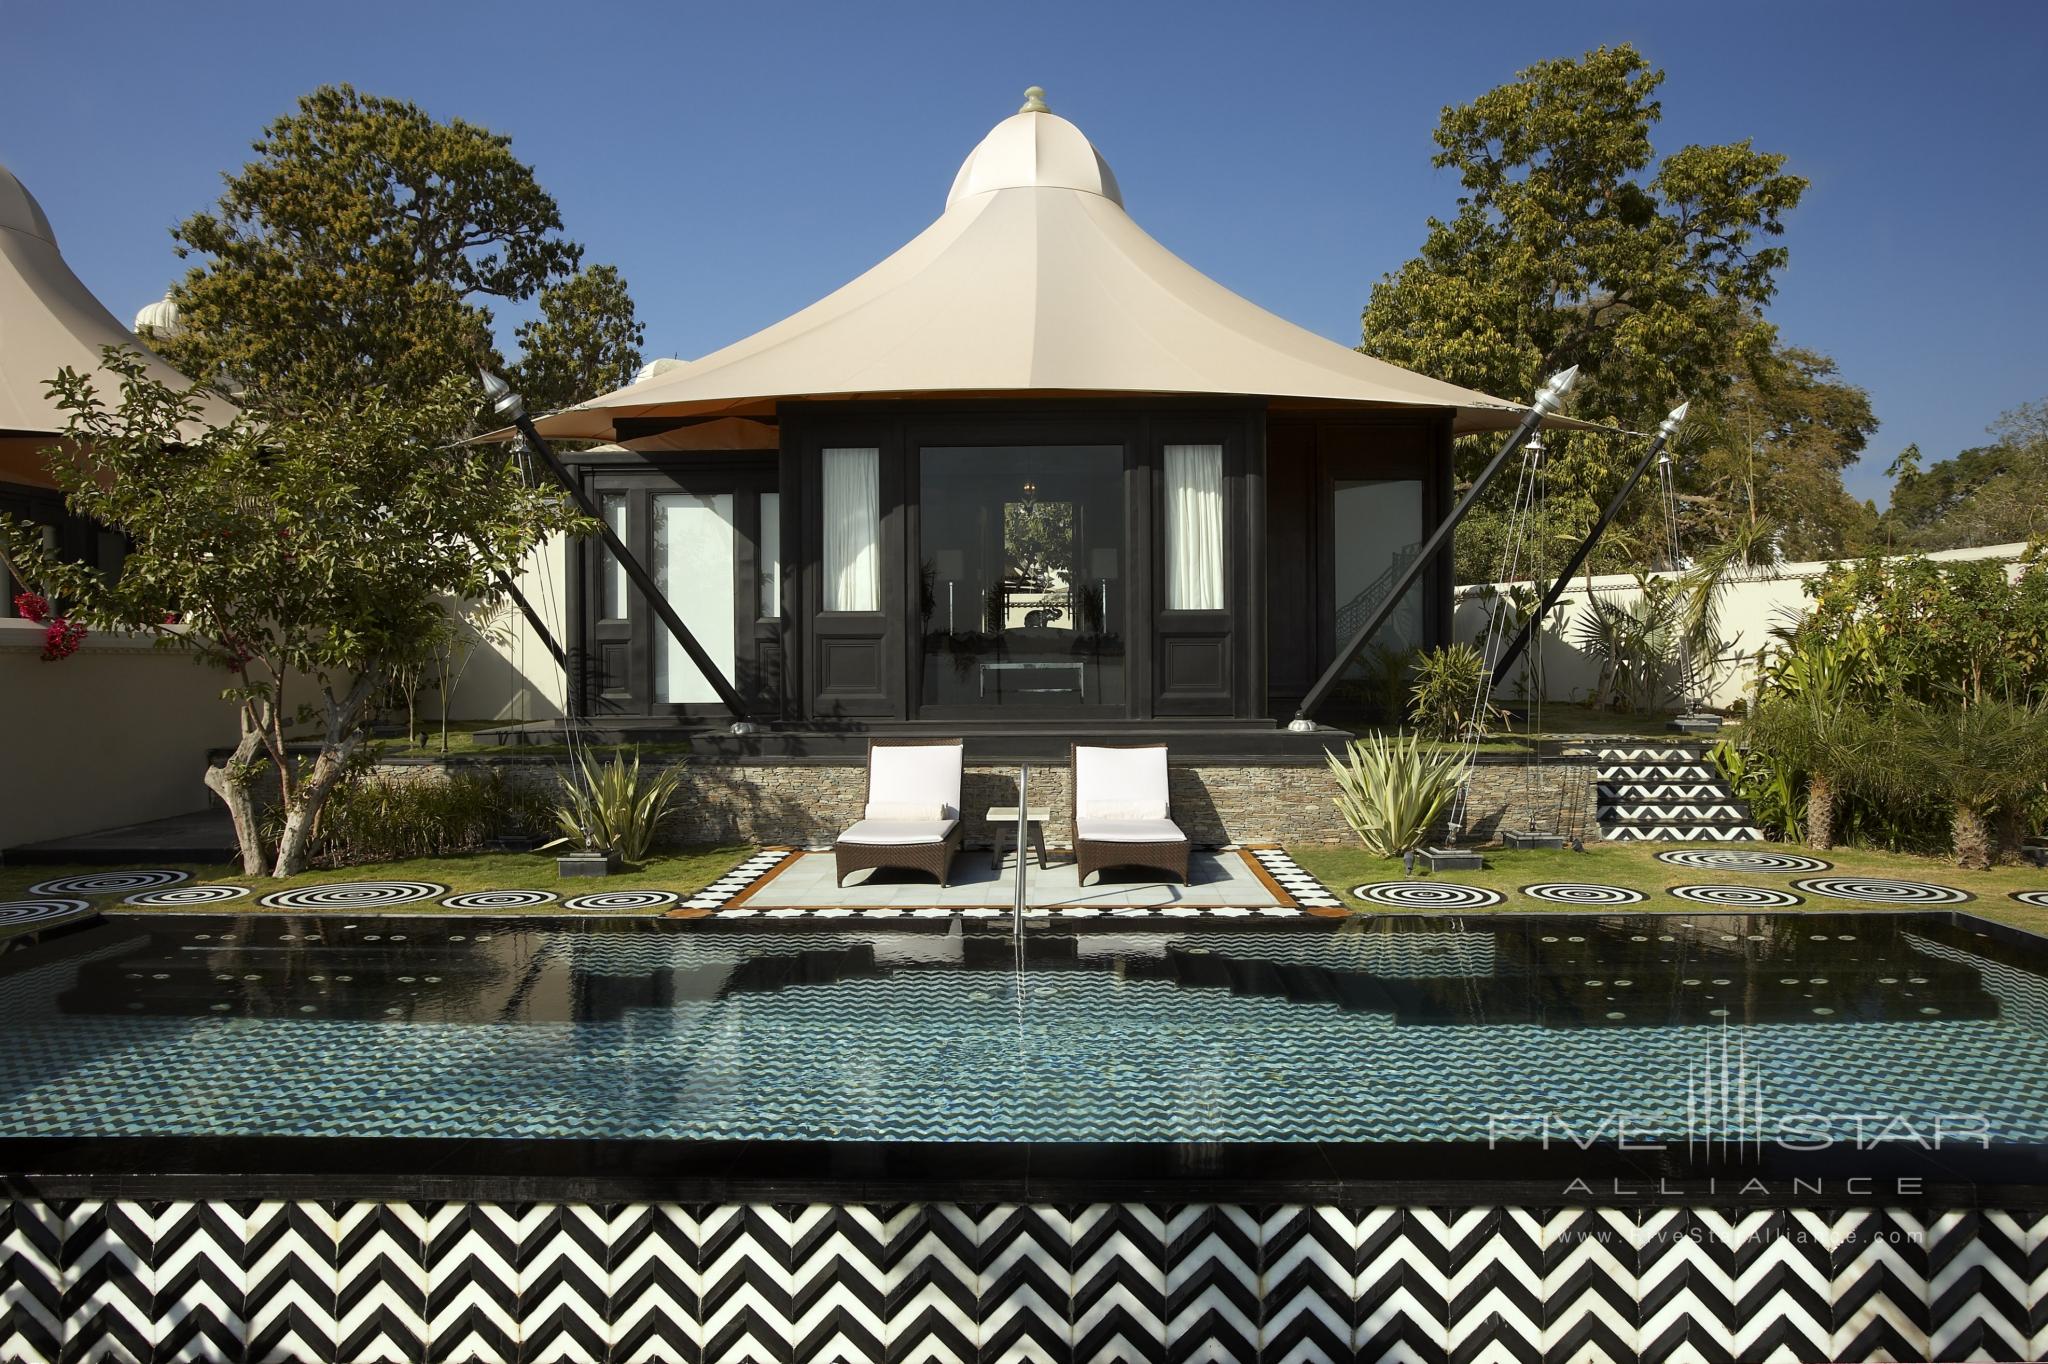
693, 567
853, 530
1378, 524
1194, 528
613, 607
1021, 570
768, 565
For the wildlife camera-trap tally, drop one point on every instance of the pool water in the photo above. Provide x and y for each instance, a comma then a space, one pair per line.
1365, 1030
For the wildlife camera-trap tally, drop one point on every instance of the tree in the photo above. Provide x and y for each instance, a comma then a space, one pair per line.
310, 554
361, 249
1574, 244
1988, 495
586, 341
1767, 460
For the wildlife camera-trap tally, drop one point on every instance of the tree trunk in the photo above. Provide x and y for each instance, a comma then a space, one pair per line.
1820, 813
1972, 839
230, 782
344, 736
2013, 828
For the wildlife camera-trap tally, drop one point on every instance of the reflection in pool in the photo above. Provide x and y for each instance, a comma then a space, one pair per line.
1380, 1030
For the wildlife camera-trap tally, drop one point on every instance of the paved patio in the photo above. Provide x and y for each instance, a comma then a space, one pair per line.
1220, 878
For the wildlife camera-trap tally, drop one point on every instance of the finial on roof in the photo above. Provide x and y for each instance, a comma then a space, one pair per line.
1034, 101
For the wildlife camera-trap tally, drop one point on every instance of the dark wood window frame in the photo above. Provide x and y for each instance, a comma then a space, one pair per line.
758, 641
1220, 668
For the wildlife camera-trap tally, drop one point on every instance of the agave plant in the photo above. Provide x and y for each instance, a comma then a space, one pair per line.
1392, 792
614, 808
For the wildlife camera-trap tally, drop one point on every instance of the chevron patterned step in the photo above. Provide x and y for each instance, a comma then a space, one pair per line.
1637, 753
1657, 772
1677, 812
1620, 792
1681, 833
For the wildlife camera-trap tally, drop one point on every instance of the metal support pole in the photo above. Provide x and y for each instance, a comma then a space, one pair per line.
1579, 556
507, 404
1547, 399
540, 627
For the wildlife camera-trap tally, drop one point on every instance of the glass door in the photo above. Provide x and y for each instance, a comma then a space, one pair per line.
1021, 567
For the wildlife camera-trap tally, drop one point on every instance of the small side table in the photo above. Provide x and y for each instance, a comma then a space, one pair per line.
1004, 820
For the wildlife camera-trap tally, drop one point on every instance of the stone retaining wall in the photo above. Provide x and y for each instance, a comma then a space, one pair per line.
808, 803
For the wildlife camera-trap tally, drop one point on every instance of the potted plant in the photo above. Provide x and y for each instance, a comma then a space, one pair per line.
609, 815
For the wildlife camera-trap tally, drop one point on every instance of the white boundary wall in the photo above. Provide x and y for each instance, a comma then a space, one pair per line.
115, 734
517, 678
1750, 608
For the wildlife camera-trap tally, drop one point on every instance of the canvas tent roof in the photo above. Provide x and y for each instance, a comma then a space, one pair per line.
50, 320
1034, 280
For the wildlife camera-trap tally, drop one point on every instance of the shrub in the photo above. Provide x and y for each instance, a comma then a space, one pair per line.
615, 808
1392, 792
373, 819
1446, 690
1984, 758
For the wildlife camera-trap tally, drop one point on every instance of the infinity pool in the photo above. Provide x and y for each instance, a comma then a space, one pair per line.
1359, 1031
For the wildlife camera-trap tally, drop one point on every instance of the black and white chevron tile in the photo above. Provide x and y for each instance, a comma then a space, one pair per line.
934, 1283
1665, 794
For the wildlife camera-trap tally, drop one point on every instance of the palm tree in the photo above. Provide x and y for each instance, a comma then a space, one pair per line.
1819, 733
1981, 756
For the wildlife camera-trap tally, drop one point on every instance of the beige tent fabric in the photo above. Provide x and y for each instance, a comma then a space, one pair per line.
1033, 281
50, 320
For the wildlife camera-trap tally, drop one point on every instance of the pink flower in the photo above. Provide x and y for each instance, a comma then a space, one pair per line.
32, 606
61, 639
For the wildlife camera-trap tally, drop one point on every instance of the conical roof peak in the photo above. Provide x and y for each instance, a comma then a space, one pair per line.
1034, 148
20, 211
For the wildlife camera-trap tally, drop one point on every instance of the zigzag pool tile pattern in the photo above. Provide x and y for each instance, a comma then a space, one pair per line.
752, 1283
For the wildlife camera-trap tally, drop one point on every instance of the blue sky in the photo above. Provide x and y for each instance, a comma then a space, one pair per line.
738, 161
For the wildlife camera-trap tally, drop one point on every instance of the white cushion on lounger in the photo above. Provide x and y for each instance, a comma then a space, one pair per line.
915, 774
1124, 809
898, 832
919, 810
1130, 831
1118, 778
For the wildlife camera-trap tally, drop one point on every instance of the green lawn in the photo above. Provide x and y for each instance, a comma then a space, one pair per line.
684, 872
1635, 865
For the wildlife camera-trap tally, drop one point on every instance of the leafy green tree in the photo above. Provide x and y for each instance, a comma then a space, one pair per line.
363, 248
1766, 461
310, 554
586, 341
1938, 628
1992, 494
1574, 244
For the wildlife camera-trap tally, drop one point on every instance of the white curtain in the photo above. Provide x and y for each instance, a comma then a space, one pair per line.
853, 530
693, 567
1194, 528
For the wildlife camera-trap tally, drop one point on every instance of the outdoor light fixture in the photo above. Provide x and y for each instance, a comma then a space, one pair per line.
1548, 398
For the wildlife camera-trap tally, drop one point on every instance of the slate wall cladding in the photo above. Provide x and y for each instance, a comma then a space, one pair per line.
807, 804
859, 1284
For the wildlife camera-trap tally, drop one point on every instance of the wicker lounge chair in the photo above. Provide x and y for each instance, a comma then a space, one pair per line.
912, 816
1121, 813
